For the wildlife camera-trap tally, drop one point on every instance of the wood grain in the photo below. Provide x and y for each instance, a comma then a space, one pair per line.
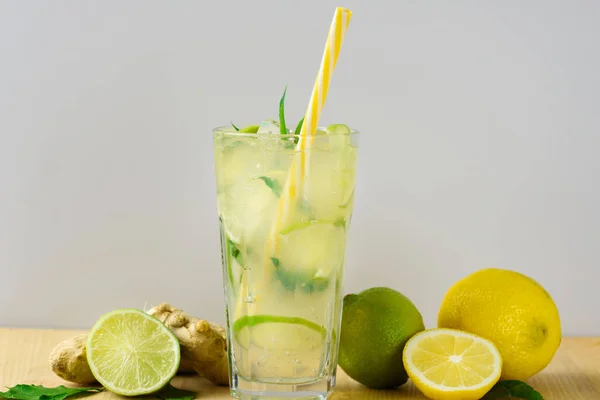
574, 374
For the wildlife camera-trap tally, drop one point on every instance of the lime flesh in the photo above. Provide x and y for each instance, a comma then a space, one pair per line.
132, 353
249, 129
309, 255
273, 332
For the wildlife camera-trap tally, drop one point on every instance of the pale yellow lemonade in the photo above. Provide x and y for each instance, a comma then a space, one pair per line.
283, 278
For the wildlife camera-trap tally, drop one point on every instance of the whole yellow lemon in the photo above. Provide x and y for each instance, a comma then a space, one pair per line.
511, 310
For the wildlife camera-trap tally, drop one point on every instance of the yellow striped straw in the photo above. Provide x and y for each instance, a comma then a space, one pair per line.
299, 166
337, 31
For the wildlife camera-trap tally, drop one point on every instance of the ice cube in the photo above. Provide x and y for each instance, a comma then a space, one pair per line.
269, 126
245, 206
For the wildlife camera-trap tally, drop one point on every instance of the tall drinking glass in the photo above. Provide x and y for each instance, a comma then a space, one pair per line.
283, 278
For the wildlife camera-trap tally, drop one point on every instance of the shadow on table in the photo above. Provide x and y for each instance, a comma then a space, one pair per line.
354, 390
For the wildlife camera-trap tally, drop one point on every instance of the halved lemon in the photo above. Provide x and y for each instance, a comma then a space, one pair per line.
447, 364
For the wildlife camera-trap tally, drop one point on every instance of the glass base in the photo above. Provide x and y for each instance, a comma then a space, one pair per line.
254, 390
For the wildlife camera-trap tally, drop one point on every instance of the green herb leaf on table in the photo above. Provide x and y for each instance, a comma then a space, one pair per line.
172, 393
235, 127
512, 389
273, 184
282, 128
37, 392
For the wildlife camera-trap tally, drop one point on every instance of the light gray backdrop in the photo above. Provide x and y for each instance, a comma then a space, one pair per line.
480, 145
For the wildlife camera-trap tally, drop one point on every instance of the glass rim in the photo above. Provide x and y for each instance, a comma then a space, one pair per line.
228, 131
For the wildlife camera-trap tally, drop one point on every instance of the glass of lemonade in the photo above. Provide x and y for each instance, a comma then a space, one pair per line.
282, 275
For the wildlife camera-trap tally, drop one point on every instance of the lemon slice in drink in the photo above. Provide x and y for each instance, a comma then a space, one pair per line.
132, 353
446, 364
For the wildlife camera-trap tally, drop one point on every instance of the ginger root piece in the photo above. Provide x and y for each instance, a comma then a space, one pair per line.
68, 360
203, 349
203, 344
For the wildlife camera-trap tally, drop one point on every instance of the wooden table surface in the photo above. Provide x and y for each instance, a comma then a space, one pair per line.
574, 374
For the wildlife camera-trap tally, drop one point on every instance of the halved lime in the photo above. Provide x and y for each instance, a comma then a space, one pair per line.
278, 332
132, 353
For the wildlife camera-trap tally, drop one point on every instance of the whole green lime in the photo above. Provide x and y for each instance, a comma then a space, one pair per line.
376, 324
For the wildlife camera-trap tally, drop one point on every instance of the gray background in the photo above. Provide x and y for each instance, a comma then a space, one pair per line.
480, 139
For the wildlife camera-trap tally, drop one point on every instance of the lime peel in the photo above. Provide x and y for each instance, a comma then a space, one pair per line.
124, 334
253, 320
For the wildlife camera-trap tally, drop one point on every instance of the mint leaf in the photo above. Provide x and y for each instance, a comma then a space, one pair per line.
36, 392
299, 126
275, 262
512, 390
235, 252
172, 393
273, 184
232, 252
235, 127
282, 128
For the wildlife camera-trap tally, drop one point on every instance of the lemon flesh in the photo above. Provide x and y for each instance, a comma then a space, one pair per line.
132, 353
447, 364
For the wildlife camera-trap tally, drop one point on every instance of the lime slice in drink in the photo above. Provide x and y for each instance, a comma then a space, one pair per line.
309, 254
271, 332
340, 135
249, 129
132, 353
330, 192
